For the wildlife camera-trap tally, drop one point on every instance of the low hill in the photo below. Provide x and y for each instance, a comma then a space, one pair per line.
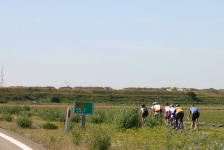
106, 95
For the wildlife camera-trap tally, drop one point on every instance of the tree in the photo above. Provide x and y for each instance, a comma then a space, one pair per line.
192, 95
55, 100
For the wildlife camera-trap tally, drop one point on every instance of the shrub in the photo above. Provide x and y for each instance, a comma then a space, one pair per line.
76, 118
7, 118
24, 121
98, 117
13, 110
53, 115
10, 110
109, 117
99, 138
151, 122
24, 113
128, 118
26, 108
49, 126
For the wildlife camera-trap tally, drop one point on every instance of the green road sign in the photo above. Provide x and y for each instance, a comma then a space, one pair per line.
81, 107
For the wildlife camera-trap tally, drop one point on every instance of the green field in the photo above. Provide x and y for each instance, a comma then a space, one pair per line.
113, 128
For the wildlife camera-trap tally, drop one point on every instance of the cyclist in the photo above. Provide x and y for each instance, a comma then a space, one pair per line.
156, 109
179, 114
166, 109
195, 115
144, 113
172, 114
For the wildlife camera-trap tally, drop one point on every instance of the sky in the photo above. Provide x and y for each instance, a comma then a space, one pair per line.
117, 44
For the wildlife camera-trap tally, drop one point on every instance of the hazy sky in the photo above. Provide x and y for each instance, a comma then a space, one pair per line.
117, 44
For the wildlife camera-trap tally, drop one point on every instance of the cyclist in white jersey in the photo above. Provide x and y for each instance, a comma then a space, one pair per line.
156, 109
172, 114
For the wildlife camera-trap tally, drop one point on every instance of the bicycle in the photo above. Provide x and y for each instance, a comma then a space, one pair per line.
158, 118
195, 126
167, 123
172, 121
180, 125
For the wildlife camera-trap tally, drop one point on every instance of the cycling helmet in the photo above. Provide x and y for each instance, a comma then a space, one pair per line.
167, 104
143, 105
172, 105
177, 105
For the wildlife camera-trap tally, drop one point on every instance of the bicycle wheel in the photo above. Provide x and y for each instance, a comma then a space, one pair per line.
195, 127
181, 125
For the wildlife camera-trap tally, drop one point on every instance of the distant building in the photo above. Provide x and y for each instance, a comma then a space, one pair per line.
175, 89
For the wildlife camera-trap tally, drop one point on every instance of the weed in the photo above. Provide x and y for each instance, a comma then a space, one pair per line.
128, 118
99, 138
7, 118
77, 136
24, 113
10, 110
24, 121
76, 118
53, 115
98, 117
49, 125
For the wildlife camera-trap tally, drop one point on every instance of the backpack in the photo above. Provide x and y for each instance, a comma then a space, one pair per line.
145, 111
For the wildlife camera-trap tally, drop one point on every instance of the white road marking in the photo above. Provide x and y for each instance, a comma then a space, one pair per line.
19, 144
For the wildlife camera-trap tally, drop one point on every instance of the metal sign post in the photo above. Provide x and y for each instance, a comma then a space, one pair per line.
83, 121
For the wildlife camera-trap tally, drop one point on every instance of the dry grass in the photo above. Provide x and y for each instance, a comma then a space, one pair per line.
50, 139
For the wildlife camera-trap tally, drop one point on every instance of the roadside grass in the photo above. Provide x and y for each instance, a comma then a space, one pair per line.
211, 116
110, 137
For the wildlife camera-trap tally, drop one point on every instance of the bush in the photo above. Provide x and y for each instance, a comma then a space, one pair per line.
13, 110
49, 126
76, 118
151, 122
53, 115
128, 118
10, 110
25, 108
24, 121
109, 116
98, 117
99, 139
7, 118
24, 113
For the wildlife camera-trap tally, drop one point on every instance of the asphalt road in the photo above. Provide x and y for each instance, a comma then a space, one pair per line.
13, 141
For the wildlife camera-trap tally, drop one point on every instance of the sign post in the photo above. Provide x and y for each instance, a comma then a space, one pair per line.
83, 121
83, 108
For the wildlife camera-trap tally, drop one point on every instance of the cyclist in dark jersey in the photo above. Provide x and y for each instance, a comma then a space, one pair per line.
144, 113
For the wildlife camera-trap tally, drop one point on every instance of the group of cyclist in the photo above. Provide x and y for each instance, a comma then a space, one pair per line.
170, 113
